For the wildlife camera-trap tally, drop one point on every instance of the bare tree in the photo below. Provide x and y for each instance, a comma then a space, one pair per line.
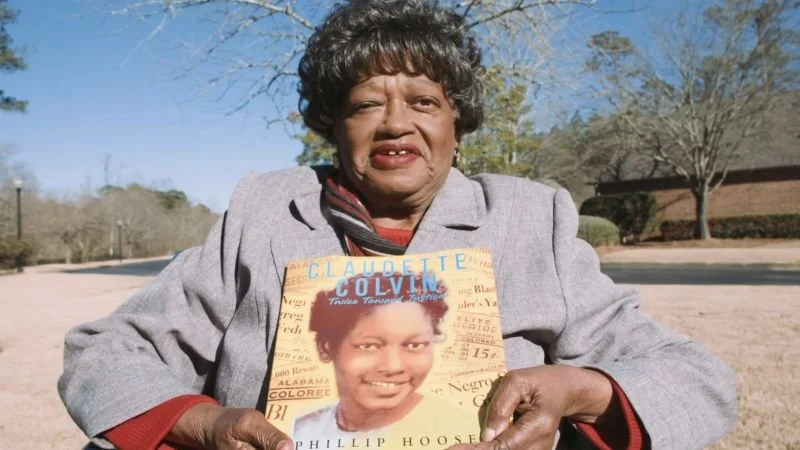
254, 46
617, 153
76, 226
81, 227
706, 90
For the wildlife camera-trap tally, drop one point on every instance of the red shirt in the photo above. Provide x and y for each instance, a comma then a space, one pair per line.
147, 431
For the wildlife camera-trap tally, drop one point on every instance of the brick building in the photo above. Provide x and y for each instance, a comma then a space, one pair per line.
763, 180
745, 192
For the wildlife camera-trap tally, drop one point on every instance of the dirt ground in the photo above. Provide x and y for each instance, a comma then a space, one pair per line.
754, 328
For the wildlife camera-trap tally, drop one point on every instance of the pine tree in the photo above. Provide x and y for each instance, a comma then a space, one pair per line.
9, 60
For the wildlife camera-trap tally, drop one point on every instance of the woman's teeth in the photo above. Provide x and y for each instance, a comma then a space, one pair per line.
384, 384
400, 153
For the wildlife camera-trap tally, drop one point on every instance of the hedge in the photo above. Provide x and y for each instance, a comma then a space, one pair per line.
14, 252
598, 231
633, 213
784, 226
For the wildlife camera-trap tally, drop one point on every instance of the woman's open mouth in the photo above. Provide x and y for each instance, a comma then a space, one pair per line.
385, 384
394, 156
387, 389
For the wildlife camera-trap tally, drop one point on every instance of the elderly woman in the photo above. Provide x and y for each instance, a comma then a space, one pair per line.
393, 85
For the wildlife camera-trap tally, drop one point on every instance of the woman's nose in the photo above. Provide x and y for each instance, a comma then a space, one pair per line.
391, 360
396, 121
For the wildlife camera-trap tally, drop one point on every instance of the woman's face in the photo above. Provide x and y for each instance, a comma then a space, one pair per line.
396, 136
385, 358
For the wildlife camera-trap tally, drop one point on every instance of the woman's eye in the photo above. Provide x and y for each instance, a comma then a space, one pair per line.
417, 345
363, 106
426, 103
367, 346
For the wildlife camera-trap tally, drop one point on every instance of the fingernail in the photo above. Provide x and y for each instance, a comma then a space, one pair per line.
488, 435
285, 445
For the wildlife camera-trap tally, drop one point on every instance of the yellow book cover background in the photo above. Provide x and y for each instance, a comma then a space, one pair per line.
386, 352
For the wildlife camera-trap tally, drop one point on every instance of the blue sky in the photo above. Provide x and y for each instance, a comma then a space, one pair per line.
90, 95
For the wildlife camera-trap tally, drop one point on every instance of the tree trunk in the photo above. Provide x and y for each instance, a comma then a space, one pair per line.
701, 230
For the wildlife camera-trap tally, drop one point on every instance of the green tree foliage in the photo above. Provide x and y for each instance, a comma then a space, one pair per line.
316, 150
173, 198
507, 142
707, 89
9, 60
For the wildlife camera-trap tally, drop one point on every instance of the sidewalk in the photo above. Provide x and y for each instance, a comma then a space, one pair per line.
46, 268
765, 255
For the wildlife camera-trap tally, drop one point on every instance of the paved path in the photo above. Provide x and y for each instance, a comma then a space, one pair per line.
36, 310
701, 274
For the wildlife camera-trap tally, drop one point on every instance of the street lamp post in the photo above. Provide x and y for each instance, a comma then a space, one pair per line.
18, 185
119, 239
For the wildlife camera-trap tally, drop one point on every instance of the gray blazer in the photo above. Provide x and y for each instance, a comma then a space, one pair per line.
207, 323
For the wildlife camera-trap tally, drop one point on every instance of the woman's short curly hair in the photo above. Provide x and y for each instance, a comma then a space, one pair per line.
362, 38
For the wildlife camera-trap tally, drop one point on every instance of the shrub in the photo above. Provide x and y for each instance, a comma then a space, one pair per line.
598, 231
677, 230
633, 213
784, 226
14, 252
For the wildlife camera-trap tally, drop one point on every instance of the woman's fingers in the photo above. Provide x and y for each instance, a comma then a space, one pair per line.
536, 396
253, 428
237, 429
533, 430
512, 391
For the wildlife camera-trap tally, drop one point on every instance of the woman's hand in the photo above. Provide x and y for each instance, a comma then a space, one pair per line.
537, 399
212, 426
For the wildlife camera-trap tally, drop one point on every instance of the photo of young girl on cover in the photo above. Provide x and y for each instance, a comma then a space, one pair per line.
381, 346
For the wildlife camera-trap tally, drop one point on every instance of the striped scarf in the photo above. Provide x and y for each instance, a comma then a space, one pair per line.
360, 234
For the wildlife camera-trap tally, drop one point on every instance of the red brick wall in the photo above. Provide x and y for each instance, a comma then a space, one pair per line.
746, 199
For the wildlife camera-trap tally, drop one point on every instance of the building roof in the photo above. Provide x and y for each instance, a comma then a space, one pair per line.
739, 176
778, 141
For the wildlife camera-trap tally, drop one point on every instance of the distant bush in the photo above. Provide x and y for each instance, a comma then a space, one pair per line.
598, 231
14, 252
633, 213
784, 226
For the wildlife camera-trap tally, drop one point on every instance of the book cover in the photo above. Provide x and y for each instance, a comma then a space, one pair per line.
386, 352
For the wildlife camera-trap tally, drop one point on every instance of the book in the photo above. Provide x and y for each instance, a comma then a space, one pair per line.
390, 352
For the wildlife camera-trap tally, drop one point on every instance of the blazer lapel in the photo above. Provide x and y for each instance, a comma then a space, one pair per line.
458, 209
318, 240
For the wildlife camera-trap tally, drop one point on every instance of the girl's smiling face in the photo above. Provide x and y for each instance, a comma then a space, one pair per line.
384, 358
